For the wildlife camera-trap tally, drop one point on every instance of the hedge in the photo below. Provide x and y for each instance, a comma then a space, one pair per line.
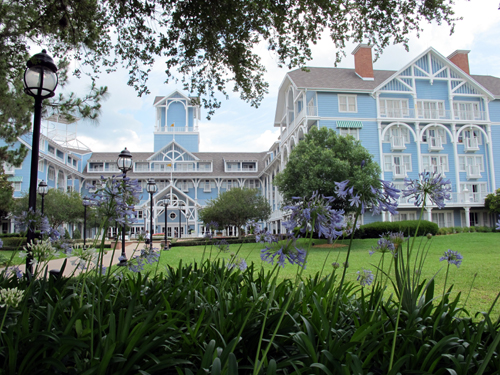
408, 227
213, 241
4, 235
13, 243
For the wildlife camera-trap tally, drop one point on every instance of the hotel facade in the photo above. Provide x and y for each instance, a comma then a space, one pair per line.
431, 115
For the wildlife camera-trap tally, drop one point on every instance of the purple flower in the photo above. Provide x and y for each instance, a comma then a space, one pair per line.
1, 243
498, 224
284, 251
428, 185
452, 257
15, 270
222, 245
239, 263
365, 277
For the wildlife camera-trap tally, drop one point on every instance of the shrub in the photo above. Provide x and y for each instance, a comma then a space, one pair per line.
408, 227
77, 235
458, 229
5, 235
13, 243
66, 235
213, 241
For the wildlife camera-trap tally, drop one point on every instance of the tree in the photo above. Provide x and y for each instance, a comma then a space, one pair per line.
59, 207
236, 207
208, 44
323, 158
492, 202
6, 191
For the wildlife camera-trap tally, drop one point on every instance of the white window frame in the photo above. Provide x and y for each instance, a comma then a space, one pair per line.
471, 133
407, 163
17, 185
401, 131
207, 186
349, 131
348, 103
439, 109
51, 173
441, 133
139, 214
472, 108
447, 216
407, 216
441, 160
395, 105
463, 160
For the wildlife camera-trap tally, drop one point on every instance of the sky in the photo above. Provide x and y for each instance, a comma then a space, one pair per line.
127, 120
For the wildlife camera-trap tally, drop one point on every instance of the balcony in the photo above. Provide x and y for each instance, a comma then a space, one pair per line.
432, 114
437, 169
397, 143
471, 144
398, 172
435, 144
473, 172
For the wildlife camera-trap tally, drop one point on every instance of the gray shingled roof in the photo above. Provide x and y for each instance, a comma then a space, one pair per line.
490, 83
336, 78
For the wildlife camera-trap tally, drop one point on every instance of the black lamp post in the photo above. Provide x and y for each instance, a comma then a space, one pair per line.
40, 81
151, 188
180, 217
86, 202
165, 203
124, 163
43, 189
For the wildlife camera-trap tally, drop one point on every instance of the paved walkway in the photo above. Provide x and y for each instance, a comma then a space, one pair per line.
130, 247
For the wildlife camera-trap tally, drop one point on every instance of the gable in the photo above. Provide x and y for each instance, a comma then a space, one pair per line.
172, 153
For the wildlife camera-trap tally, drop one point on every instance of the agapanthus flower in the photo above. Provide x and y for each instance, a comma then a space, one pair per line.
14, 270
498, 224
315, 214
239, 263
116, 196
365, 277
284, 251
264, 236
41, 251
222, 245
11, 297
431, 185
452, 257
335, 265
1, 243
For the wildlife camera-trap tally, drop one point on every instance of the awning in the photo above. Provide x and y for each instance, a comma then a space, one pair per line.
15, 179
349, 124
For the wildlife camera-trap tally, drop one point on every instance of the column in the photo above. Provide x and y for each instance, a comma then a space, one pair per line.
467, 216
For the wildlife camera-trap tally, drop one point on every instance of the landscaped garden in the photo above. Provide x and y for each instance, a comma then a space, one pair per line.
292, 304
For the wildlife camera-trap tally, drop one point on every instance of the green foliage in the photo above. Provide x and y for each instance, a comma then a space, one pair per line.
213, 241
323, 158
408, 227
6, 191
76, 234
492, 202
59, 207
13, 243
66, 235
236, 207
179, 319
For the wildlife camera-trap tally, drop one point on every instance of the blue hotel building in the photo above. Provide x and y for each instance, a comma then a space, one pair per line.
431, 115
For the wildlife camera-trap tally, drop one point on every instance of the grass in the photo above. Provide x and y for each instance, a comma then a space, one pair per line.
481, 252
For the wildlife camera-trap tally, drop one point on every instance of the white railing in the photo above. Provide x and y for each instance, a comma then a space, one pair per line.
471, 144
398, 171
432, 114
435, 144
473, 171
397, 143
174, 129
468, 198
436, 168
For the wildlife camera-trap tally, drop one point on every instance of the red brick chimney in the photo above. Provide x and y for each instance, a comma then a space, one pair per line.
363, 64
460, 59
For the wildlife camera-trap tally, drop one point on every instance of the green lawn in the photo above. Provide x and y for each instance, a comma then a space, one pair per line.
481, 252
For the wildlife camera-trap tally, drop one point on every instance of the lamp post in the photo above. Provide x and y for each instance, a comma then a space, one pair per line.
180, 217
124, 163
86, 202
165, 203
151, 188
43, 189
40, 81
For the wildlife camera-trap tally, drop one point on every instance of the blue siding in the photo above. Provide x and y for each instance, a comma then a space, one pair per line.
176, 114
437, 91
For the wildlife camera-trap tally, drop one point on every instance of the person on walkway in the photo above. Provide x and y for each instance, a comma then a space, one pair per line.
147, 237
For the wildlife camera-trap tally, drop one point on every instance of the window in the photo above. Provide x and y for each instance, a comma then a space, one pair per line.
232, 167
139, 215
207, 188
230, 184
60, 154
349, 131
347, 103
443, 219
183, 185
41, 166
397, 132
435, 163
433, 133
465, 161
51, 174
52, 150
394, 108
466, 111
17, 185
404, 216
141, 167
430, 109
205, 167
172, 215
398, 164
74, 163
248, 167
472, 136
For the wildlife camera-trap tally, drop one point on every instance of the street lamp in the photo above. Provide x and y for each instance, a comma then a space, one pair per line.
124, 163
86, 202
151, 188
43, 189
40, 81
165, 203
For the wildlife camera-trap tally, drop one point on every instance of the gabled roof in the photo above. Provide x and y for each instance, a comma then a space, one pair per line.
167, 146
159, 99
